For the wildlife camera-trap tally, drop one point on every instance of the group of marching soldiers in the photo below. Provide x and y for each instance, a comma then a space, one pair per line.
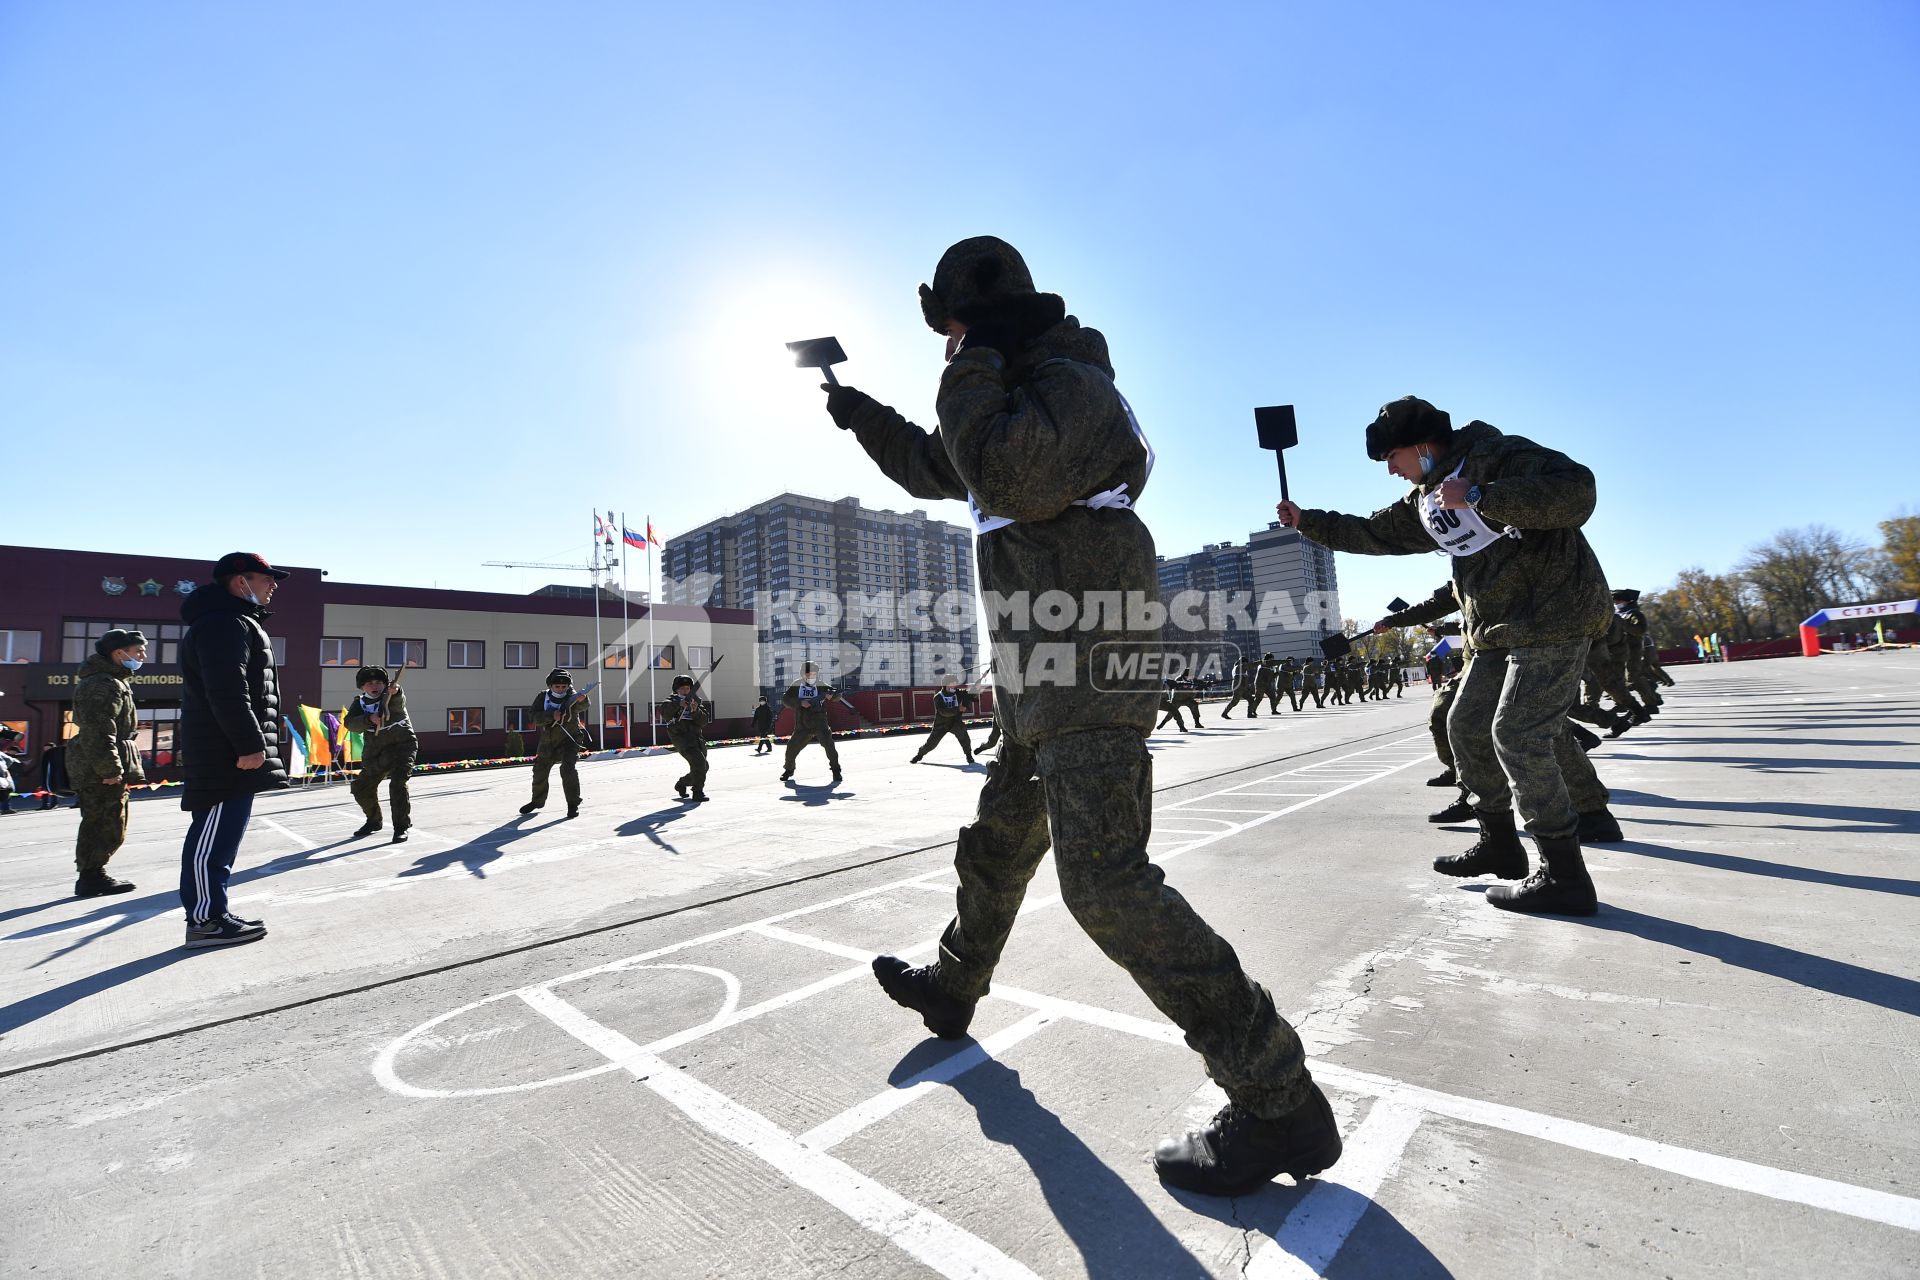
1341, 681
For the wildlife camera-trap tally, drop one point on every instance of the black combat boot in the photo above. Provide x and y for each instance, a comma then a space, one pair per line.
680, 788
97, 883
400, 832
573, 810
372, 825
1238, 1151
837, 779
1561, 886
1461, 810
1587, 741
1498, 851
1598, 827
919, 990
529, 807
1621, 723
699, 797
1446, 779
787, 776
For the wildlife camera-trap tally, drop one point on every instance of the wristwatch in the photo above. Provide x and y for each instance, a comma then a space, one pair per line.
1473, 495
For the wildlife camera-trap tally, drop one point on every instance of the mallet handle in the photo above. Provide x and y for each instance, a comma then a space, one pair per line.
827, 370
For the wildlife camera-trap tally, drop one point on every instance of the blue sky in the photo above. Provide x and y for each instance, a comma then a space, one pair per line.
394, 290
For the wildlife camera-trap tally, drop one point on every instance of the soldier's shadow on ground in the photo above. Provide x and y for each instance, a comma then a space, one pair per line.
1778, 870
1114, 1230
42, 1003
1855, 818
119, 911
1837, 977
650, 825
473, 854
815, 794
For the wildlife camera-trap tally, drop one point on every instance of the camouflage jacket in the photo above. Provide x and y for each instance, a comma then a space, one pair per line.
808, 703
1026, 441
1544, 587
358, 720
104, 713
558, 726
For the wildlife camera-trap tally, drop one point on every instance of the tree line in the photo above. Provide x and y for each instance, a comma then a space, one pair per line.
1783, 581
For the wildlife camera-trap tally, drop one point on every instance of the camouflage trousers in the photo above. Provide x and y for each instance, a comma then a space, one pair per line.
1093, 790
1512, 743
802, 735
1247, 696
563, 754
692, 746
1437, 721
1173, 707
389, 761
103, 823
941, 728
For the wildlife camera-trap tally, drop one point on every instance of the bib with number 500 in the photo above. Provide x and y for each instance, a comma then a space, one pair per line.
1459, 532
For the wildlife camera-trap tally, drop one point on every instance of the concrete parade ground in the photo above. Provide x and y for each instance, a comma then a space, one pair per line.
646, 1043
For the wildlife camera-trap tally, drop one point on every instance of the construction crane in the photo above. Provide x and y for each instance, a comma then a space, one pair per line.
599, 564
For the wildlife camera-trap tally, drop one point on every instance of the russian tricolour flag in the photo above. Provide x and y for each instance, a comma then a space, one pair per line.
633, 539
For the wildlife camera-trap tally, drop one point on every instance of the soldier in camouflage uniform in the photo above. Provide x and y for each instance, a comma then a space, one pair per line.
561, 716
388, 748
808, 701
1606, 674
103, 760
1246, 685
1263, 686
1533, 599
687, 730
1293, 681
950, 708
1179, 698
1034, 435
1639, 668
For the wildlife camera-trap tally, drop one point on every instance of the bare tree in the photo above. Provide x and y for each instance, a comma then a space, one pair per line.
1896, 566
1798, 570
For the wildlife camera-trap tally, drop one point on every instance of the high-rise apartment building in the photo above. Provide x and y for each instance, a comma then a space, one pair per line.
1242, 585
877, 599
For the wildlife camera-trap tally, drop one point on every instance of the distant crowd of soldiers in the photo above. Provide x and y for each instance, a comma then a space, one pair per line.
1341, 681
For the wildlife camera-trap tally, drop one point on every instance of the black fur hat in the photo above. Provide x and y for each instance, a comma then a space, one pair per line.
973, 276
1406, 421
1626, 595
365, 674
559, 676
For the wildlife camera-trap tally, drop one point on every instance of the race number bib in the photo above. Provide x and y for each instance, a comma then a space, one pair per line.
1461, 532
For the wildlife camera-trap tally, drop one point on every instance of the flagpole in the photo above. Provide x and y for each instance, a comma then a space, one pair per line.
652, 720
626, 640
597, 563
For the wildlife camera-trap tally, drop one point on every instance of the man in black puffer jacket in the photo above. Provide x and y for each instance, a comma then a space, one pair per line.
229, 736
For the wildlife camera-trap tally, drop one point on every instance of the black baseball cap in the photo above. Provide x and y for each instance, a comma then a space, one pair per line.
245, 562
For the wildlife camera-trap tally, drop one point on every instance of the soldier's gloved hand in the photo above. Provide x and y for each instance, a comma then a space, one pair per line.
843, 403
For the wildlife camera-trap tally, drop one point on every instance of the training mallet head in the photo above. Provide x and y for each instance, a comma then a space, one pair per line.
818, 353
1336, 647
1278, 432
1396, 605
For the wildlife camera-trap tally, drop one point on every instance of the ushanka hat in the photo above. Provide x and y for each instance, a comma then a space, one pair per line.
1404, 422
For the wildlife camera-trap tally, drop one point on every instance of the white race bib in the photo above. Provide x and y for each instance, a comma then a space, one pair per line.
1459, 532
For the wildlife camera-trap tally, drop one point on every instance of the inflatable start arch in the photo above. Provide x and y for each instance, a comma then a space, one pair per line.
1810, 629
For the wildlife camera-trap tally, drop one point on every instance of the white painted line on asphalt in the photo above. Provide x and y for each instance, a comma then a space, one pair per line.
831, 1133
1721, 1171
1319, 1225
300, 840
919, 1232
818, 944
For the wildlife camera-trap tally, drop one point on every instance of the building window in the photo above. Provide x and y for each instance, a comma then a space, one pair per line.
618, 656
616, 715
406, 653
464, 722
466, 655
662, 657
572, 657
339, 651
699, 657
19, 646
279, 644
516, 720
523, 655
